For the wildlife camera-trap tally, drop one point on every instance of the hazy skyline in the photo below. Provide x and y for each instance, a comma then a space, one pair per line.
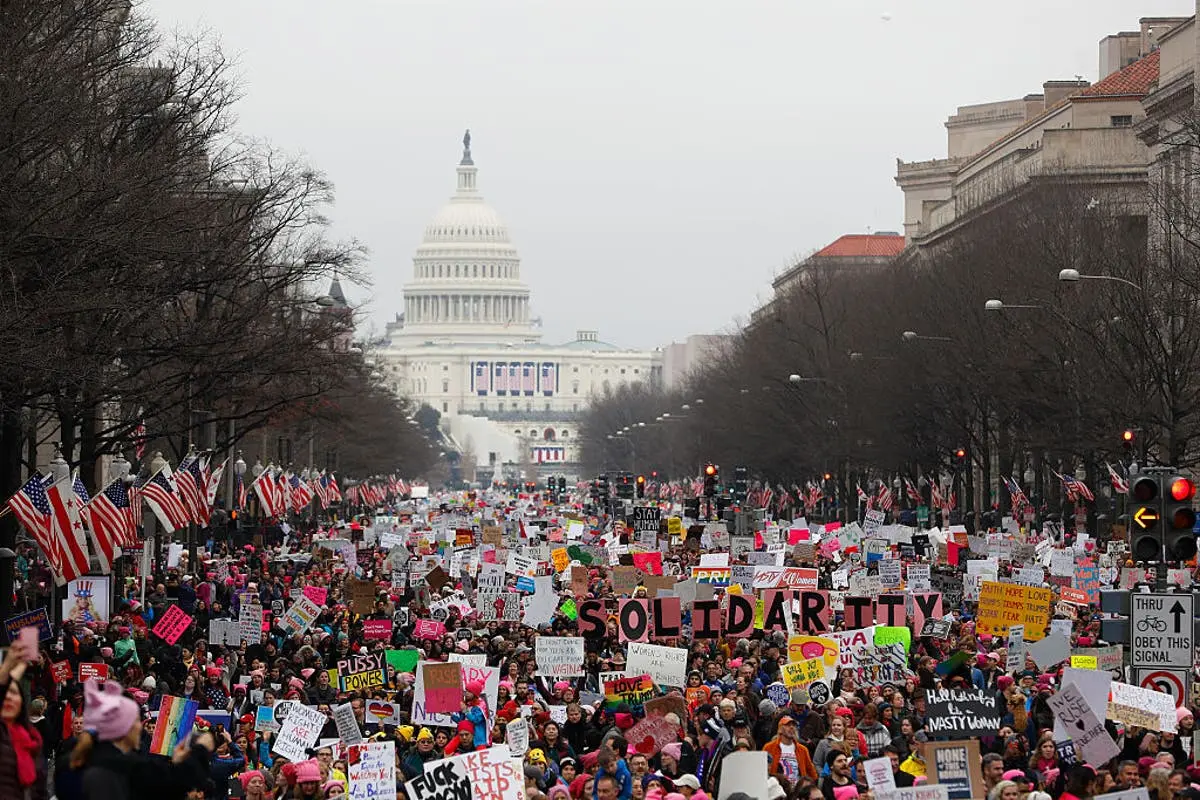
656, 162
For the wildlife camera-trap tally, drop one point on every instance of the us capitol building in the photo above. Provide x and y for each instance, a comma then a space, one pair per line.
469, 346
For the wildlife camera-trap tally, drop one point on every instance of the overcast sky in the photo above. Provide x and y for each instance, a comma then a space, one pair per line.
657, 162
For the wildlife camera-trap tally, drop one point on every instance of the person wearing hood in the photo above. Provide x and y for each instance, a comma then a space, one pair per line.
125, 649
107, 752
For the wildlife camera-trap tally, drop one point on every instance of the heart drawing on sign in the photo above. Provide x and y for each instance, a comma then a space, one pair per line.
1079, 724
645, 746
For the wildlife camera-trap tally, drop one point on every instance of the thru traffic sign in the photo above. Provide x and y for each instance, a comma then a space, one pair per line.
1161, 631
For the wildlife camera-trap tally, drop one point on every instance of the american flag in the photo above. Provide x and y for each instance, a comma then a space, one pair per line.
1120, 485
528, 378
66, 528
482, 377
267, 490
765, 496
547, 380
322, 489
188, 483
1015, 493
302, 494
31, 506
335, 491
165, 501
913, 492
862, 496
884, 498
1076, 489
814, 496
283, 490
500, 379
785, 500
935, 495
239, 490
110, 522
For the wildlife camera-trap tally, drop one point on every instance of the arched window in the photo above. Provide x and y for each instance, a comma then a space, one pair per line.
548, 434
533, 433
565, 434
517, 432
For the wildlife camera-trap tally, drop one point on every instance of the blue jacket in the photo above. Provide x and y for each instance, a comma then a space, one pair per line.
624, 781
476, 717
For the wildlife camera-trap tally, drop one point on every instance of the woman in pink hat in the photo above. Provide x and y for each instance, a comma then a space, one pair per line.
107, 751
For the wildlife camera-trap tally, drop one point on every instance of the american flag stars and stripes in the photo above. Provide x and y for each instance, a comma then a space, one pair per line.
884, 498
267, 490
302, 493
321, 487
239, 490
31, 506
335, 491
110, 523
139, 439
165, 501
913, 492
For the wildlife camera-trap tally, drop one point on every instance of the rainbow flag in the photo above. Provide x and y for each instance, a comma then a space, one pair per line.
176, 716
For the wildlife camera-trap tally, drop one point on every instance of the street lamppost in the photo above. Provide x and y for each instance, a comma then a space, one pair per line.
1074, 276
1000, 305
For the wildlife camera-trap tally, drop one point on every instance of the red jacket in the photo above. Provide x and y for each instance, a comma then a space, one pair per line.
774, 767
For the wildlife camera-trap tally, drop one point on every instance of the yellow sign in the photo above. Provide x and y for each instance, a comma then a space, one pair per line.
675, 526
802, 673
1083, 662
561, 559
801, 648
1004, 604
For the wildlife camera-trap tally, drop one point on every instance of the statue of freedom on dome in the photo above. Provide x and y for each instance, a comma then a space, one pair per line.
466, 159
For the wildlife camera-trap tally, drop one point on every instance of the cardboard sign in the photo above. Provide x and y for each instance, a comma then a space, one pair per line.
1004, 604
362, 596
650, 735
559, 656
667, 666
172, 625
955, 765
443, 687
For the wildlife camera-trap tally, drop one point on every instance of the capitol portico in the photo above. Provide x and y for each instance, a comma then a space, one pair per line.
469, 346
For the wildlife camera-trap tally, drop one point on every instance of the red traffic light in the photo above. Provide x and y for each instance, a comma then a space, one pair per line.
1127, 435
960, 453
654, 474
710, 469
1182, 489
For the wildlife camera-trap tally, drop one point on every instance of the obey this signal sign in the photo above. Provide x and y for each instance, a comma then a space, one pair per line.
1004, 604
1160, 630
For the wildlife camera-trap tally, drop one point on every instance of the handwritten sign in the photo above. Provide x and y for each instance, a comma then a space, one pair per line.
302, 614
443, 687
362, 672
172, 625
634, 691
559, 656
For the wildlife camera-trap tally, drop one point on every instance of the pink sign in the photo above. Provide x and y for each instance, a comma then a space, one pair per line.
797, 535
429, 629
317, 594
172, 625
649, 563
377, 629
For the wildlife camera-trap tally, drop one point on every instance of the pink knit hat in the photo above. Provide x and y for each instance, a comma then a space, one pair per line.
246, 777
107, 711
308, 772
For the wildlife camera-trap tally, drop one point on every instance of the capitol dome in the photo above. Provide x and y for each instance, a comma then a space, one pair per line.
466, 280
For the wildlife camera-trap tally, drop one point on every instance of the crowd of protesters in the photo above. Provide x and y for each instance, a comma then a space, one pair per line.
92, 739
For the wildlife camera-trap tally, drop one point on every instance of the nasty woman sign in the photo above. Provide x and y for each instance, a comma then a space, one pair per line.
958, 714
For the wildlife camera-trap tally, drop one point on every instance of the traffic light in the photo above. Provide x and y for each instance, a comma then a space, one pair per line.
1178, 519
641, 486
711, 474
741, 485
960, 455
1146, 535
1127, 438
562, 484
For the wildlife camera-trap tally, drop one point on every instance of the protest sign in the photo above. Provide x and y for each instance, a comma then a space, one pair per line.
953, 712
516, 734
1004, 604
302, 614
36, 618
299, 732
61, 671
498, 606
490, 774
802, 673
317, 594
667, 666
1092, 741
361, 672
176, 717
635, 691
377, 629
347, 725
559, 656
443, 687
371, 770
421, 715
650, 734
97, 671
250, 621
955, 765
172, 625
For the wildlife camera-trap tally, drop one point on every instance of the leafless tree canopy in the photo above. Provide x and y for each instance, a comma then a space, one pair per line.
1049, 387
